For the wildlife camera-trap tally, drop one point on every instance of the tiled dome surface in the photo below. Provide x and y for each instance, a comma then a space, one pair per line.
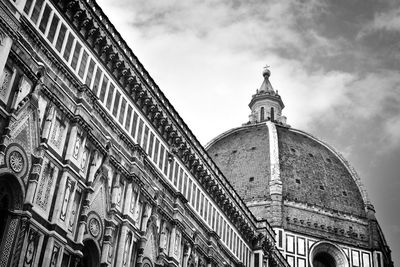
310, 172
243, 157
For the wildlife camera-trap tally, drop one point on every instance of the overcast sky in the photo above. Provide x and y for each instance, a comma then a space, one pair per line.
335, 63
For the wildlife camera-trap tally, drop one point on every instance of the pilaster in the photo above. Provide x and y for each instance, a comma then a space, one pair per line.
59, 197
128, 199
71, 142
107, 243
48, 251
116, 190
121, 245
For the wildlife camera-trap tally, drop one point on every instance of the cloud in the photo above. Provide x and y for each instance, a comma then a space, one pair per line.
376, 94
207, 57
229, 41
366, 113
392, 129
250, 26
388, 20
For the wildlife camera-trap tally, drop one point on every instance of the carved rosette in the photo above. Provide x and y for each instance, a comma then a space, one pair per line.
94, 225
17, 160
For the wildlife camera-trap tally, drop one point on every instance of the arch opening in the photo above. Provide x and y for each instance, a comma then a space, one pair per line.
147, 263
327, 254
11, 199
91, 255
324, 259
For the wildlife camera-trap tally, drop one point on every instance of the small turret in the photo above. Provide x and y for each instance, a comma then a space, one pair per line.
266, 104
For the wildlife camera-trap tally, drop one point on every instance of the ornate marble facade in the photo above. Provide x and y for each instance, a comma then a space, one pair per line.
96, 167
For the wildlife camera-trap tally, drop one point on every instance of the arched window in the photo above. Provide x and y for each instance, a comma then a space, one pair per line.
262, 112
272, 114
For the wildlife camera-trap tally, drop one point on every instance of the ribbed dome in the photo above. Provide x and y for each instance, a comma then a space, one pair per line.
311, 172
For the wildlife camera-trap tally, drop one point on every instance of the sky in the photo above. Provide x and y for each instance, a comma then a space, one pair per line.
335, 64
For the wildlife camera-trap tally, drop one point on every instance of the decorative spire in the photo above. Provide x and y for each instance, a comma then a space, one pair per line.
266, 104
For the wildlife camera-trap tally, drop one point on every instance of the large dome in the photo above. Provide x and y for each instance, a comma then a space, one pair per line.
311, 196
311, 172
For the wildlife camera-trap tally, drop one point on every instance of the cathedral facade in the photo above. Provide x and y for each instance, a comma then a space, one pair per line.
98, 169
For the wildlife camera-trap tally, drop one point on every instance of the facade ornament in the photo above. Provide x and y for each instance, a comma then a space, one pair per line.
187, 250
94, 227
16, 161
38, 85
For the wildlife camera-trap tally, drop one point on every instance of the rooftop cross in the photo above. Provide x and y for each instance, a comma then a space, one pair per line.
266, 72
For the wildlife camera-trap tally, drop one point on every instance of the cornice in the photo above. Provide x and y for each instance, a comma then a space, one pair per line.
336, 215
25, 68
266, 95
8, 21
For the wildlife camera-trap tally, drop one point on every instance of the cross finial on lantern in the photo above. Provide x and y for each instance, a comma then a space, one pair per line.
266, 72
